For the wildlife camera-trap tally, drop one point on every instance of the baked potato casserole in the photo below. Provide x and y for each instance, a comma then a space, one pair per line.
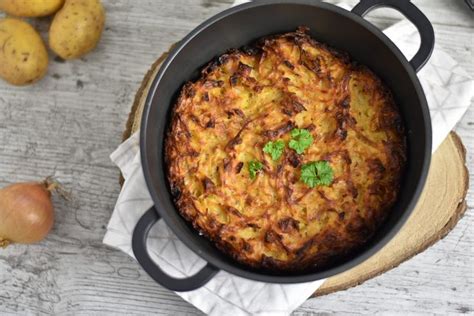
286, 154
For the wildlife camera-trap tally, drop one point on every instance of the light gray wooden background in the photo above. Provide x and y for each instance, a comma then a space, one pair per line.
69, 123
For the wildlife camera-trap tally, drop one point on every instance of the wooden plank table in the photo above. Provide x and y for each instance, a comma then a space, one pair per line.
69, 123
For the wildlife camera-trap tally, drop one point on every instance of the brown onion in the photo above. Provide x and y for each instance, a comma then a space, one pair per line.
26, 212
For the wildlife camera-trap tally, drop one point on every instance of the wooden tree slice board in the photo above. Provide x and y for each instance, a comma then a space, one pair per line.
442, 201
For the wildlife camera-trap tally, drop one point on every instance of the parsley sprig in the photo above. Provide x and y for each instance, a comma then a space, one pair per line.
254, 167
317, 173
301, 140
274, 149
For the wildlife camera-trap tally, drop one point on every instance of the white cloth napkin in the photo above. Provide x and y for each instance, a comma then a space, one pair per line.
449, 92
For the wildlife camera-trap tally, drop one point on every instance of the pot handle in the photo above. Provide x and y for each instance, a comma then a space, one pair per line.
140, 236
410, 11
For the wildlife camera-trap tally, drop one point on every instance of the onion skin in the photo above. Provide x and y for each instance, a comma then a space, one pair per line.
26, 212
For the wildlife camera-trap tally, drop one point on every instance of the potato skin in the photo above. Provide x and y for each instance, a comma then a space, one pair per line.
77, 27
30, 8
23, 55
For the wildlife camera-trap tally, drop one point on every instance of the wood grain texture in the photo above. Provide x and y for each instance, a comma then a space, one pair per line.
69, 123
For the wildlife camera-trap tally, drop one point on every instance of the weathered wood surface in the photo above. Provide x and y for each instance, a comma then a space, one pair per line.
68, 124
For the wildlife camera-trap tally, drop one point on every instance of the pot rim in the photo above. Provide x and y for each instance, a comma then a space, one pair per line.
236, 268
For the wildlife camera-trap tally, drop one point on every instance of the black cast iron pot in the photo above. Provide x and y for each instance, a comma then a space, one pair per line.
239, 26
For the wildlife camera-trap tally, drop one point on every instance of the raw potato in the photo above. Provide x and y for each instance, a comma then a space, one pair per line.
30, 8
77, 28
23, 55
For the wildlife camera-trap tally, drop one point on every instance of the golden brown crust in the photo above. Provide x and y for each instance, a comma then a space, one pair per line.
250, 96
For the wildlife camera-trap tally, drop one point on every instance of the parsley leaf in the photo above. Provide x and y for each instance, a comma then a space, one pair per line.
317, 173
274, 149
302, 139
254, 167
